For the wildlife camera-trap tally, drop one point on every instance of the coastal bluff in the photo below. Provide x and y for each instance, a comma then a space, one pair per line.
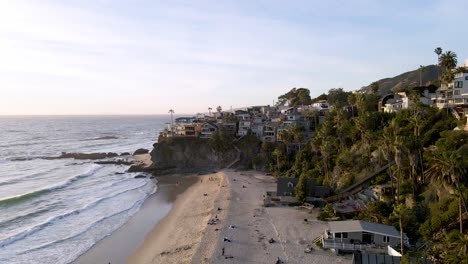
189, 154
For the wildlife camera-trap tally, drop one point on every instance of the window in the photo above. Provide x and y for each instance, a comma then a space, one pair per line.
386, 239
458, 84
341, 235
456, 92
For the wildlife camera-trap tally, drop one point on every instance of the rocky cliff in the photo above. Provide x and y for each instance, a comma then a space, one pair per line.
181, 154
187, 154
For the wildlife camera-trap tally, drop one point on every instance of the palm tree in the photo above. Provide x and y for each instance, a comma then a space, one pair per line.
447, 169
171, 111
399, 212
448, 60
286, 137
421, 71
278, 153
456, 248
219, 109
438, 51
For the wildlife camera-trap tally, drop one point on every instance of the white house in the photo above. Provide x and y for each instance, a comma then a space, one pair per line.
360, 235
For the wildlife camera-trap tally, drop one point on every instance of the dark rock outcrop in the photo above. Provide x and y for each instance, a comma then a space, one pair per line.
83, 156
105, 137
140, 151
139, 168
115, 162
140, 176
125, 154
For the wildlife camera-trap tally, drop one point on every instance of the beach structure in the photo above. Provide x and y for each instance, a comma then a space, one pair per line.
352, 235
285, 186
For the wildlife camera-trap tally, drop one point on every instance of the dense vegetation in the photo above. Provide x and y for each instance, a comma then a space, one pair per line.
429, 165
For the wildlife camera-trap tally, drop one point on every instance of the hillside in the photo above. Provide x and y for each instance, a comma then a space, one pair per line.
407, 79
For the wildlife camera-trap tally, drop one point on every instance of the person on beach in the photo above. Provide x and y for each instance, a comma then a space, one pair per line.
222, 253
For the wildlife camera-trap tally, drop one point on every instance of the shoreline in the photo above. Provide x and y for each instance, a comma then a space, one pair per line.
184, 234
123, 242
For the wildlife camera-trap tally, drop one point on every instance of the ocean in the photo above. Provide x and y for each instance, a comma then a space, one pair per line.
52, 211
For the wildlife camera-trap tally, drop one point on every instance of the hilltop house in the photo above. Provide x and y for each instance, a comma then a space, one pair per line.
393, 103
454, 95
360, 235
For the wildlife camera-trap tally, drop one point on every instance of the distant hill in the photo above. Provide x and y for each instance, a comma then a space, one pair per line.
407, 79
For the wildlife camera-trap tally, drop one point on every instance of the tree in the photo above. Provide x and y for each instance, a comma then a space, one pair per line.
209, 111
447, 168
337, 97
448, 61
374, 87
278, 153
421, 71
438, 51
295, 97
302, 189
455, 248
171, 111
398, 212
219, 109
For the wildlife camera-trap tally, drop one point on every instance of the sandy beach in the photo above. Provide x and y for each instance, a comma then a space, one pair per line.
236, 200
177, 237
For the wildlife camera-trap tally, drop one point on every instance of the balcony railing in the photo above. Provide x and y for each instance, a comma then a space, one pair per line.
337, 244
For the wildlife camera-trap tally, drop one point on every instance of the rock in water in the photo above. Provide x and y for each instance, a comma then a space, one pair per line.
140, 151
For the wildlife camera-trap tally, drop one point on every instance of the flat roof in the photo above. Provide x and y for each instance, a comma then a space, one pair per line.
363, 226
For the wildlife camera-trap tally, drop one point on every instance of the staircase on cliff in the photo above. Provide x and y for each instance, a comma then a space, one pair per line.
358, 186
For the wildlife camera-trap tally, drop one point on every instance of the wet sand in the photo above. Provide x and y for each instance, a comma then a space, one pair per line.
176, 238
118, 246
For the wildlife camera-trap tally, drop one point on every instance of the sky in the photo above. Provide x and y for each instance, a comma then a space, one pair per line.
149, 56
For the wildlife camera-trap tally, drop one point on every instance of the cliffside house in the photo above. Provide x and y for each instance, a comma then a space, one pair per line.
245, 126
208, 129
393, 103
321, 104
360, 235
230, 128
269, 132
187, 127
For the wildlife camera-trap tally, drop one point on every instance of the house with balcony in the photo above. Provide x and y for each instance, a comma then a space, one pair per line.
269, 132
454, 95
353, 235
393, 103
208, 129
244, 127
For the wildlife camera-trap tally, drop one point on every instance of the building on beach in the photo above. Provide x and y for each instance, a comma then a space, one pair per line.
286, 187
353, 235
